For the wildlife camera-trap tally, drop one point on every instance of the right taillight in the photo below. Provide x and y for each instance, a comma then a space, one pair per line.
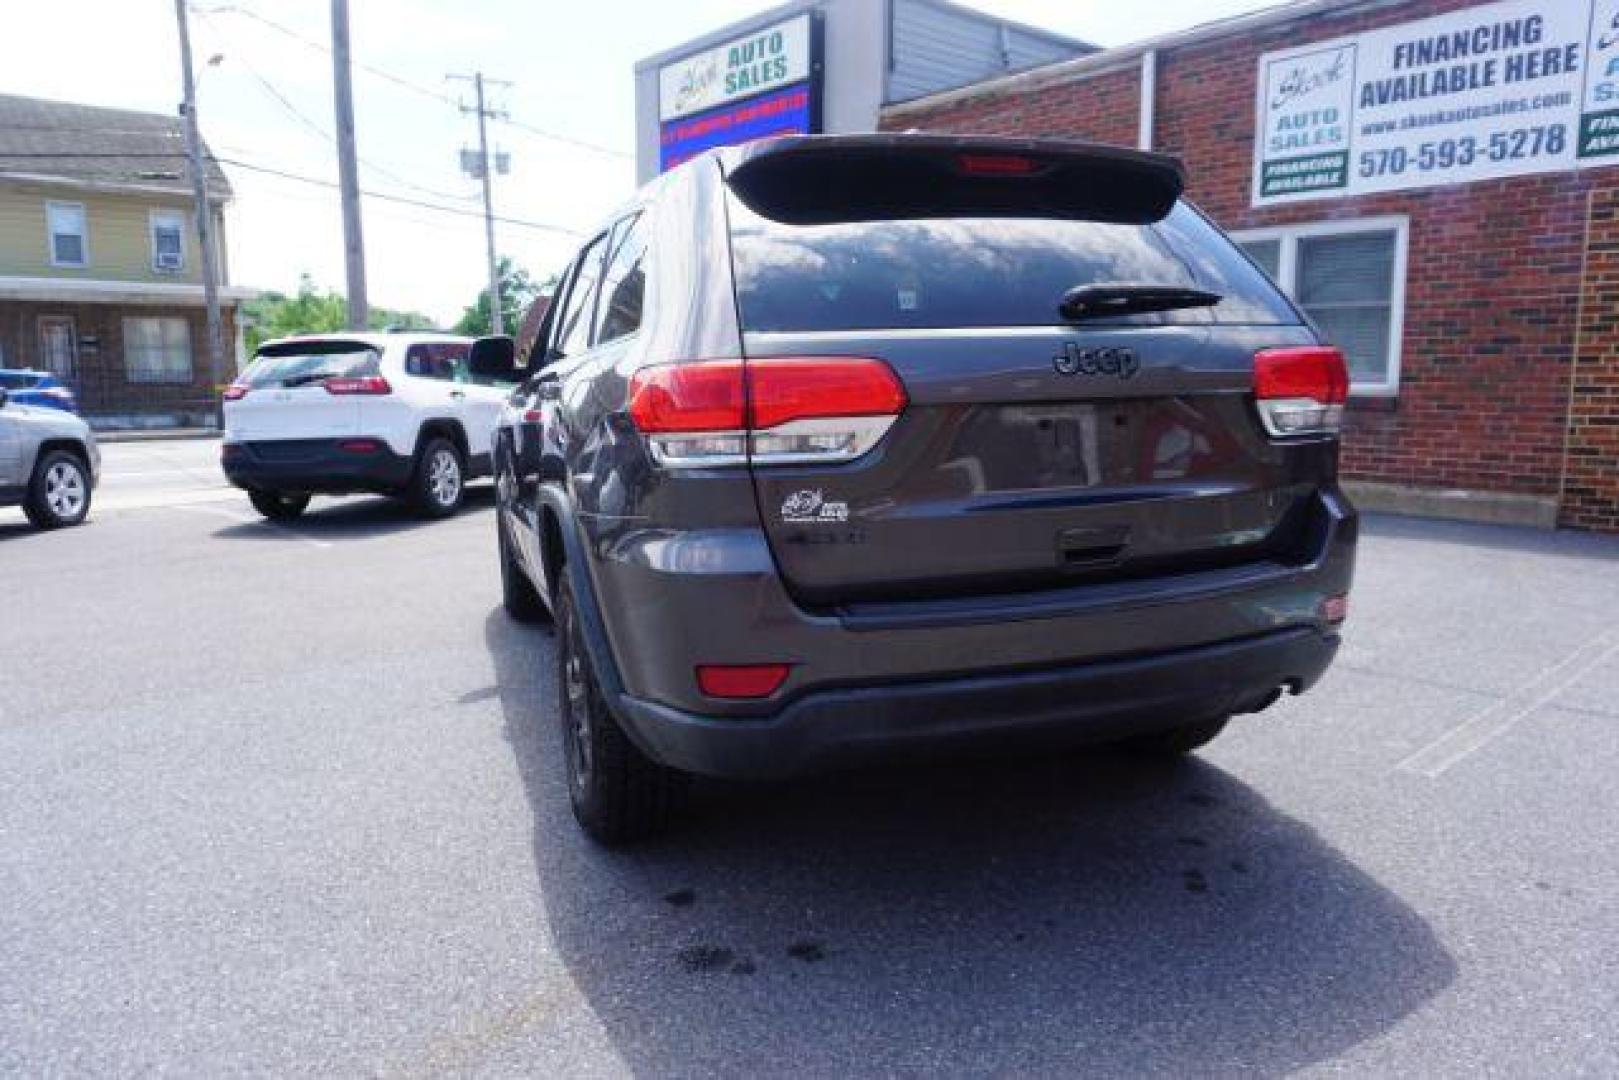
235, 391
1301, 390
772, 411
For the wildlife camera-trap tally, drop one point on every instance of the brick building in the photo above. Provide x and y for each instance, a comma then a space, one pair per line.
100, 269
1432, 184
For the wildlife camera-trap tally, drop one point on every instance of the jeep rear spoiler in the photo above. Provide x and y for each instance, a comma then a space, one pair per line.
819, 180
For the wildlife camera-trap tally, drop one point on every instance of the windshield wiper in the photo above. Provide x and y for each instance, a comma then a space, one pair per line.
308, 377
1102, 301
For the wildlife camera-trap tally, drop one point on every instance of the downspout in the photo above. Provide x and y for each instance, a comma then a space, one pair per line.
1149, 99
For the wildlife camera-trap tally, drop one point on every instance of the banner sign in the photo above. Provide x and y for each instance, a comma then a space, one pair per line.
784, 112
764, 83
1504, 89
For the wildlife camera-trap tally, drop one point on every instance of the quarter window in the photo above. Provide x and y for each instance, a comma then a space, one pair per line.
168, 241
70, 246
624, 283
1350, 278
157, 350
573, 329
446, 362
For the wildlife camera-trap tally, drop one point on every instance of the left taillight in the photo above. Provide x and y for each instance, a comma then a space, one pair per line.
771, 411
235, 391
1301, 391
364, 384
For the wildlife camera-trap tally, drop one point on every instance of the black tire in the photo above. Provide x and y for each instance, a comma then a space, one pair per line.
1178, 741
279, 505
619, 795
518, 594
432, 493
58, 492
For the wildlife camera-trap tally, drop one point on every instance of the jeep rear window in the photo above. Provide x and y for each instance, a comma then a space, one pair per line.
981, 272
307, 362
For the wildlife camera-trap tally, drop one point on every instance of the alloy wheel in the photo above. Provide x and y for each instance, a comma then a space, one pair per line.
64, 490
444, 477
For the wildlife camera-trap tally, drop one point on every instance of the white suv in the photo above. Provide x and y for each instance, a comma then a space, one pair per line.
390, 413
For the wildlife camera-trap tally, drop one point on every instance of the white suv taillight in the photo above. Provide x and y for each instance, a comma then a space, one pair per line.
773, 411
1301, 391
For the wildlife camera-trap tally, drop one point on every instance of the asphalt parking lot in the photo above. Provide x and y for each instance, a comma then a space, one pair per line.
285, 799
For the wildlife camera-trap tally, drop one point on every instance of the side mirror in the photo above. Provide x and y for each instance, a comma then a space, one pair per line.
494, 360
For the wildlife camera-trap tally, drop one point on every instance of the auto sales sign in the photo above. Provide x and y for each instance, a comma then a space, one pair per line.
1503, 89
763, 83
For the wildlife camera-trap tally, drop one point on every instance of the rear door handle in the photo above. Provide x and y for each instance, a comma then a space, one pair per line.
458, 394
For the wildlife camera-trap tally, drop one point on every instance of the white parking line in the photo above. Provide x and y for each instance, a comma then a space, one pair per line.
251, 519
1439, 755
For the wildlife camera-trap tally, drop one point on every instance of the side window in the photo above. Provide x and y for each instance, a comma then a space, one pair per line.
623, 283
573, 328
446, 362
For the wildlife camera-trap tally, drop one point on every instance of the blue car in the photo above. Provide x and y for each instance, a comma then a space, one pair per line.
39, 388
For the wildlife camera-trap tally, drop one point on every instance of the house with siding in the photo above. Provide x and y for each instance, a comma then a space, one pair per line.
100, 271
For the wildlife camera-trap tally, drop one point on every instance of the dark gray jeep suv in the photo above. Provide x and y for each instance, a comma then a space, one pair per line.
835, 447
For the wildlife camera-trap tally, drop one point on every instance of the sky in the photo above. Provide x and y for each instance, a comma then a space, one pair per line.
265, 99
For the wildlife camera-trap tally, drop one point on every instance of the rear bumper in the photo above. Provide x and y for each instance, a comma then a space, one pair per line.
1092, 661
1074, 704
315, 465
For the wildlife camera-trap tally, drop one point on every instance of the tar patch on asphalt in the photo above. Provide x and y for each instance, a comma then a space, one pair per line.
681, 898
702, 958
1195, 881
807, 951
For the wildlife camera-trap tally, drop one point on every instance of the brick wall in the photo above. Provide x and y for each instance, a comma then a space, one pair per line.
102, 385
1493, 285
1591, 481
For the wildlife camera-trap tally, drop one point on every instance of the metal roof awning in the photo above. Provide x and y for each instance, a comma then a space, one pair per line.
84, 291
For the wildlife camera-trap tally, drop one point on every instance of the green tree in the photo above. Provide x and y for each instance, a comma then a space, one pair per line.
315, 311
517, 292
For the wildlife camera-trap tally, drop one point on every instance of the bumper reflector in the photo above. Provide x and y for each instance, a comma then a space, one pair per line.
741, 680
1335, 609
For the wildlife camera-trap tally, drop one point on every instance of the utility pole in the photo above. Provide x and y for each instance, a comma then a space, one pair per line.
348, 171
481, 169
199, 194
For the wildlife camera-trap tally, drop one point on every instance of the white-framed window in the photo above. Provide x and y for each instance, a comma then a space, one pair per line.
1349, 276
168, 228
157, 349
67, 234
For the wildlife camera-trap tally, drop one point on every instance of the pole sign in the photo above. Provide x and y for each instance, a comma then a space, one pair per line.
767, 82
1505, 89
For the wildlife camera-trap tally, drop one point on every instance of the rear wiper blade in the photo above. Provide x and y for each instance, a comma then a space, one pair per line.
307, 378
1101, 301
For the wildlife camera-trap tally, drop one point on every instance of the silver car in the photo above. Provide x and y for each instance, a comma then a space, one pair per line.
49, 463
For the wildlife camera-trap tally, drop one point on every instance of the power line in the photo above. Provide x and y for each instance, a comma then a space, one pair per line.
270, 171
407, 84
397, 80
322, 133
402, 200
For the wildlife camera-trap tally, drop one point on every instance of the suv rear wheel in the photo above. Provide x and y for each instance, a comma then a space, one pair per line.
440, 479
278, 505
58, 492
619, 795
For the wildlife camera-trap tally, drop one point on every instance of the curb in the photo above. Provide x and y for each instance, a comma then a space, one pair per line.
156, 435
